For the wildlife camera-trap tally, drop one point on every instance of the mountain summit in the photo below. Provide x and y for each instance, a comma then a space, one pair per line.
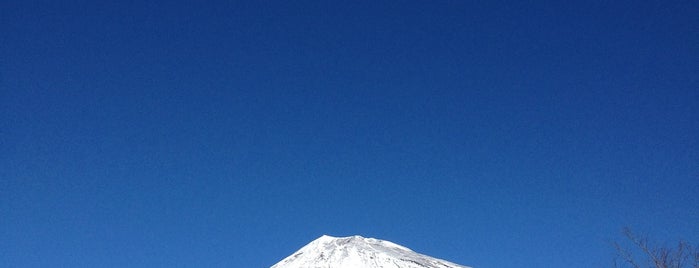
359, 252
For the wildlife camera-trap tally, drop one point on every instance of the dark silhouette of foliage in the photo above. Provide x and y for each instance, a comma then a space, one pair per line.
640, 253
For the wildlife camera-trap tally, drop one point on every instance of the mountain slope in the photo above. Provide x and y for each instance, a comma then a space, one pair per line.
359, 252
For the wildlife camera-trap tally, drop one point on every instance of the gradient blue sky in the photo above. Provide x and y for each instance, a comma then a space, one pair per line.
498, 134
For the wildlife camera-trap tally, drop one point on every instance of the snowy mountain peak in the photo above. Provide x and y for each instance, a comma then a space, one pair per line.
359, 252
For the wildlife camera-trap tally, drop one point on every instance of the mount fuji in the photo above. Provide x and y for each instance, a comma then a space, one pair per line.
359, 252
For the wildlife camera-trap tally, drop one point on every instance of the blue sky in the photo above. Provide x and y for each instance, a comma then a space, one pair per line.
498, 134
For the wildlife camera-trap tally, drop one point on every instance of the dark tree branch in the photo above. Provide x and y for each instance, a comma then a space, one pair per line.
683, 256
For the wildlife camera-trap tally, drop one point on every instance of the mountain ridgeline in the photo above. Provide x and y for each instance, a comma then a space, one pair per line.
359, 252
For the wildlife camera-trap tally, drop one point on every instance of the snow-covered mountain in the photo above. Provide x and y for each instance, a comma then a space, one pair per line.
359, 252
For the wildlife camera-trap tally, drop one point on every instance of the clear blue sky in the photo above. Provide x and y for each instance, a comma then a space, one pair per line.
498, 134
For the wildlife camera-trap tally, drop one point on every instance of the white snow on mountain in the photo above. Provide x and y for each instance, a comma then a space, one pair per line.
359, 252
